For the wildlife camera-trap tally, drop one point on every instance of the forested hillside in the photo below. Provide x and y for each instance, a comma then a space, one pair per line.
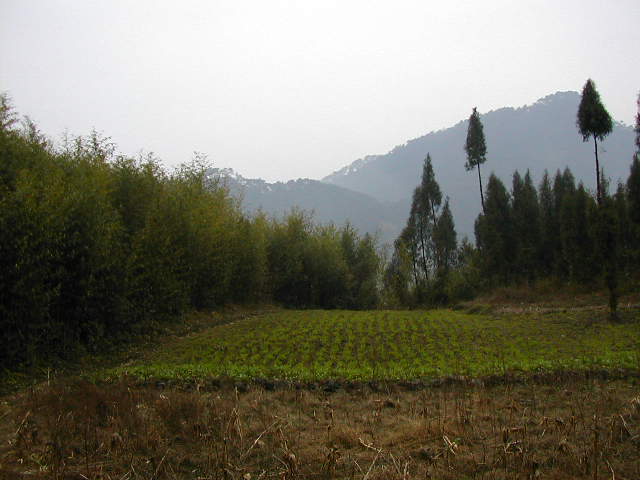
556, 232
327, 202
535, 137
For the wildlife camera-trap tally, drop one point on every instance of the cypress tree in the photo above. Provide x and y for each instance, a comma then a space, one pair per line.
637, 128
548, 226
476, 148
526, 218
633, 191
593, 121
444, 239
494, 233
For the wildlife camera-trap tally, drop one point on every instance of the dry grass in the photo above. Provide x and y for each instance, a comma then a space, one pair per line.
575, 428
547, 296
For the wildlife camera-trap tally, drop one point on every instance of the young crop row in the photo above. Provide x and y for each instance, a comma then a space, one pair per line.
316, 345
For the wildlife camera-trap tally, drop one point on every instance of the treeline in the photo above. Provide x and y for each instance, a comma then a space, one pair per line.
554, 231
94, 245
557, 230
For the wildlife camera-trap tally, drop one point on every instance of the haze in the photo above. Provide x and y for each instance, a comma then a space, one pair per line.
288, 89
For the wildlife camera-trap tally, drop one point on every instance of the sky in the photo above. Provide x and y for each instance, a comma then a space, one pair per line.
286, 89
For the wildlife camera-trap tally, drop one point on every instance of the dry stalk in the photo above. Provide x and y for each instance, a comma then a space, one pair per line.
255, 442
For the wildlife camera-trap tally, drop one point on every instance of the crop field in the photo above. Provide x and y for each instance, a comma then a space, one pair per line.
555, 425
394, 345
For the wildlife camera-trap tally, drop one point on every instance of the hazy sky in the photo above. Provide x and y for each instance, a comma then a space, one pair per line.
287, 89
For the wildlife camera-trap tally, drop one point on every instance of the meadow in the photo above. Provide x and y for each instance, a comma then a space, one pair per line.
318, 345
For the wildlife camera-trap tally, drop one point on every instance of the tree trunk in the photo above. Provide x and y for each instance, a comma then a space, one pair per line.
598, 191
482, 194
424, 253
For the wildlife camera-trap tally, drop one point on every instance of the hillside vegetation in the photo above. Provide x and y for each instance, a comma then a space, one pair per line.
95, 246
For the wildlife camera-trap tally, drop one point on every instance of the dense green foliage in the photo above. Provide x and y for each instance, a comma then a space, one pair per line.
425, 251
389, 345
94, 245
557, 231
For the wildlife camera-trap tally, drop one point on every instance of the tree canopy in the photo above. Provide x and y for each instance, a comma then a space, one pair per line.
476, 148
593, 121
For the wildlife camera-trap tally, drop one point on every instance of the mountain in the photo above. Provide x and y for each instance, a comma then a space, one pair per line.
328, 203
535, 137
374, 193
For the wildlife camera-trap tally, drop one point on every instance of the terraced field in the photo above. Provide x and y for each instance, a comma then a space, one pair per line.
393, 345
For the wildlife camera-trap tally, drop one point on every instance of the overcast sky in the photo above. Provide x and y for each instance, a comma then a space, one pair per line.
288, 89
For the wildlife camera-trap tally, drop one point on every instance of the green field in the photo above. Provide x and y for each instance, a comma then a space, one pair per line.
393, 345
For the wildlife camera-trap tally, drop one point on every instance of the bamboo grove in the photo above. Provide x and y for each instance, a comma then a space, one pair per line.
95, 246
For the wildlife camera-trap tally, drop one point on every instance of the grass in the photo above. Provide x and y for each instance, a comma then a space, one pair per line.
585, 429
393, 345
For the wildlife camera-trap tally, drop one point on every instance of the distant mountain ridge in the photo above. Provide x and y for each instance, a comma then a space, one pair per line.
328, 203
374, 193
535, 137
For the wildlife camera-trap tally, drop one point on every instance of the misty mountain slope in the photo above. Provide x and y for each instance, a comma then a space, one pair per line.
536, 137
328, 203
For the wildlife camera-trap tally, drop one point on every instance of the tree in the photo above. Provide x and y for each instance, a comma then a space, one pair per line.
429, 199
637, 129
593, 121
633, 192
548, 225
476, 148
494, 233
444, 239
7, 114
425, 247
430, 194
578, 214
526, 219
418, 234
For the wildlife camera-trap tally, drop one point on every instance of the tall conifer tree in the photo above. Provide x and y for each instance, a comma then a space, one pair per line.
494, 233
444, 239
476, 148
548, 225
593, 121
526, 218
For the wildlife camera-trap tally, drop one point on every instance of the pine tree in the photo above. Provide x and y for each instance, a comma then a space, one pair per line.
526, 218
476, 148
637, 129
431, 196
633, 194
578, 216
593, 121
633, 182
548, 226
418, 234
444, 239
426, 244
633, 191
494, 233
